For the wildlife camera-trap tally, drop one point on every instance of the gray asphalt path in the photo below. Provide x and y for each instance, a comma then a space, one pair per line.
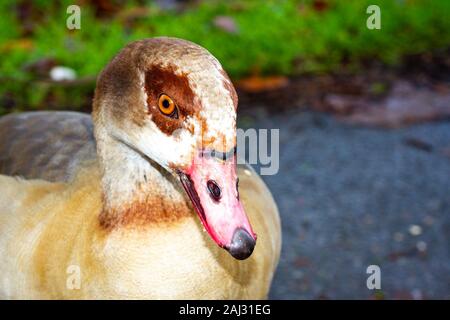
351, 197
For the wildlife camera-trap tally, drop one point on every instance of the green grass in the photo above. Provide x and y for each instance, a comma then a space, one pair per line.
275, 37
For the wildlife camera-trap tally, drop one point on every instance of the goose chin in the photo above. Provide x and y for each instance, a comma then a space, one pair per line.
212, 188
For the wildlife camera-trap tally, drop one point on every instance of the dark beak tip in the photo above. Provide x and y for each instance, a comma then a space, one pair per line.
242, 244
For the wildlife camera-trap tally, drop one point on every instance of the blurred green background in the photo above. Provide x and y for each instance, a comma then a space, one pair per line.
289, 37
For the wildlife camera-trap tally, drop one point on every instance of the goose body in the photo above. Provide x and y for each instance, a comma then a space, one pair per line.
111, 207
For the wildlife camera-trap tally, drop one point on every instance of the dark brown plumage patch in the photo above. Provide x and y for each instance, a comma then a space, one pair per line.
166, 80
118, 88
142, 214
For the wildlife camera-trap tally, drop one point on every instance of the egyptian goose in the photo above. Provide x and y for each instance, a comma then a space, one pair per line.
125, 198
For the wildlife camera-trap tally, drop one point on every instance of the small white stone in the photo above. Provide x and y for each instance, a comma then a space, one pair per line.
421, 246
60, 73
415, 230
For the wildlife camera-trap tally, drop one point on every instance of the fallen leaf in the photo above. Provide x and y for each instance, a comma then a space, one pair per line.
256, 83
24, 44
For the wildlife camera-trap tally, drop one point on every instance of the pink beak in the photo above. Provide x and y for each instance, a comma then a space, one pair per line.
212, 186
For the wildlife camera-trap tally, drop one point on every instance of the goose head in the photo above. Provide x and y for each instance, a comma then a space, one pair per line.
170, 102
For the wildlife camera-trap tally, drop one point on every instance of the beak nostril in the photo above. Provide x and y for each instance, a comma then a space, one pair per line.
214, 190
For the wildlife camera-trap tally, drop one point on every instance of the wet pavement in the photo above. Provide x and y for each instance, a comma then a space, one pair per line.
350, 197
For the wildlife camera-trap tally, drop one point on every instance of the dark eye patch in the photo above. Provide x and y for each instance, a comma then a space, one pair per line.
167, 80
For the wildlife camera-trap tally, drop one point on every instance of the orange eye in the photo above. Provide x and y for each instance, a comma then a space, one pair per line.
166, 105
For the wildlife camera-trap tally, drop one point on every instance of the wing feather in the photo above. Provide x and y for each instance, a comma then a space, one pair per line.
45, 145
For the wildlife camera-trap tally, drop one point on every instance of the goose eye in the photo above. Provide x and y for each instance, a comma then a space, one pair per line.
167, 106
